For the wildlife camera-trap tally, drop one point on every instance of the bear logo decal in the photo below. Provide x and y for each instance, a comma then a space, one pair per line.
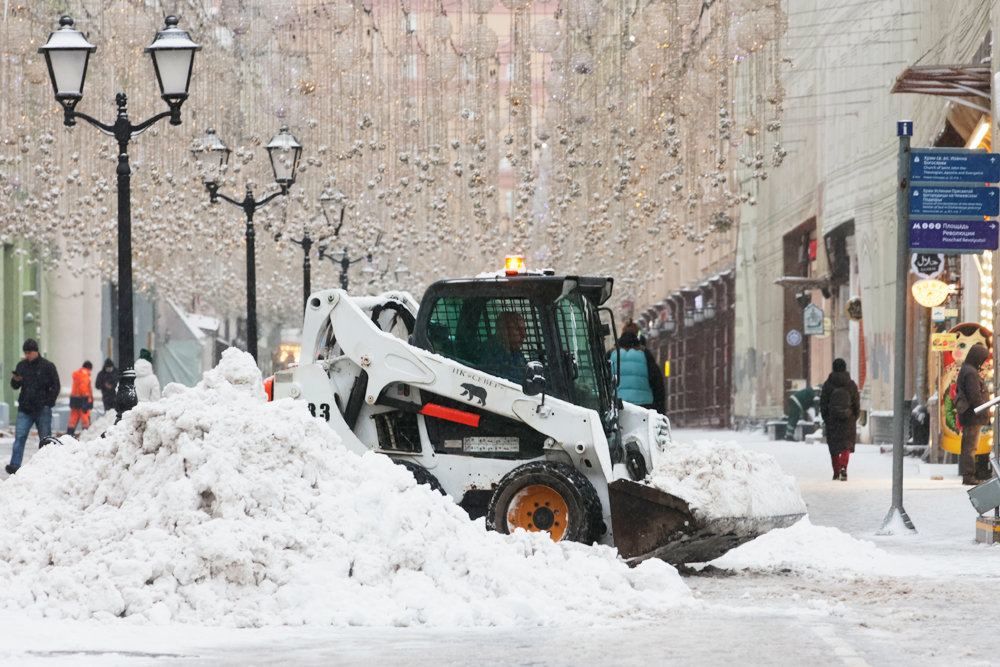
471, 391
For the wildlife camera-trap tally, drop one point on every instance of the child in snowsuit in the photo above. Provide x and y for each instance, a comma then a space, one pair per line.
81, 398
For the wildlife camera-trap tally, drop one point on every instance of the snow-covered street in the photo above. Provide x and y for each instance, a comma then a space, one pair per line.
807, 595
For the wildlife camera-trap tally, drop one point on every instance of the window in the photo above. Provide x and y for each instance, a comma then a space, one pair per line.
495, 335
580, 361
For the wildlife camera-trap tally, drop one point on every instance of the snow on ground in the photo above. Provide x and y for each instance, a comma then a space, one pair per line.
213, 506
808, 549
823, 609
722, 479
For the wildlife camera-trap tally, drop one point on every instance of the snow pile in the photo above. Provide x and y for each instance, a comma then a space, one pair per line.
818, 550
719, 479
212, 506
98, 426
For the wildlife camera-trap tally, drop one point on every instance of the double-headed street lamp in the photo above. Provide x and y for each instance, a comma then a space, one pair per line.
284, 151
343, 259
67, 54
330, 202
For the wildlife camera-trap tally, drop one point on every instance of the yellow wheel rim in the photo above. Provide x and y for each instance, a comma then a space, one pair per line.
538, 508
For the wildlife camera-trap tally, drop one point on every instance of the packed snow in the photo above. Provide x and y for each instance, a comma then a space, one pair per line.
213, 506
721, 479
808, 549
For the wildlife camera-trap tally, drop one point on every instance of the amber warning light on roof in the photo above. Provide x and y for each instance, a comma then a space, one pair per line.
513, 265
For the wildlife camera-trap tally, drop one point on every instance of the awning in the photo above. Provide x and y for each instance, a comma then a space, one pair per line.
967, 85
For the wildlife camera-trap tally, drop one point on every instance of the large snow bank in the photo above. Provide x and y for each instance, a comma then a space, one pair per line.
816, 550
212, 506
719, 479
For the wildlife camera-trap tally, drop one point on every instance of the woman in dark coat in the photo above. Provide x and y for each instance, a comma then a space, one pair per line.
840, 405
107, 380
971, 393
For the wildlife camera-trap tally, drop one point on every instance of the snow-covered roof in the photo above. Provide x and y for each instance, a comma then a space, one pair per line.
198, 325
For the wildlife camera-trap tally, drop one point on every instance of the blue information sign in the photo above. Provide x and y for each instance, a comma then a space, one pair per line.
960, 166
967, 200
904, 128
954, 236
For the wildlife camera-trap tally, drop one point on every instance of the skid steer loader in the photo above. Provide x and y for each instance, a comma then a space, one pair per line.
498, 391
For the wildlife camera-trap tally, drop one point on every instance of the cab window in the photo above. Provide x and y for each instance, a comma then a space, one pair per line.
497, 335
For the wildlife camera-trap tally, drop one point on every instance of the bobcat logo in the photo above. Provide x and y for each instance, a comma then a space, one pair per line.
472, 391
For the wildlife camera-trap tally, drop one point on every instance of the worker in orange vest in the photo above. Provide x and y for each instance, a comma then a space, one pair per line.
81, 398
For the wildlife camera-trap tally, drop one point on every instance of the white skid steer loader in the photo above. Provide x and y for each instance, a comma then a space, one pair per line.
498, 392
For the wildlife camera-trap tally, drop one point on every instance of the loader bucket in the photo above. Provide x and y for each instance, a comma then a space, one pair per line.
650, 523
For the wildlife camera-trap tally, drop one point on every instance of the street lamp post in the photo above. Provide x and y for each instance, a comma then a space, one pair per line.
67, 54
328, 201
306, 243
343, 259
284, 151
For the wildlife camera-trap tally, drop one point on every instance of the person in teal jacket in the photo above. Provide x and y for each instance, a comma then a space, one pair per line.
639, 378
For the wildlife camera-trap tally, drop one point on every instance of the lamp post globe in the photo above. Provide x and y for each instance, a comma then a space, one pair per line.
213, 156
401, 271
67, 54
172, 52
284, 151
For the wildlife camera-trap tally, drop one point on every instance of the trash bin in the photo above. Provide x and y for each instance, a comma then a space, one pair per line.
776, 429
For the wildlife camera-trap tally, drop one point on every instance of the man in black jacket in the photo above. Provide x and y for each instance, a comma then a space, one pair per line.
38, 381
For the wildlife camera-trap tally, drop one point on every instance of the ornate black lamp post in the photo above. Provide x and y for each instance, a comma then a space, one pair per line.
399, 272
329, 202
67, 54
284, 151
343, 259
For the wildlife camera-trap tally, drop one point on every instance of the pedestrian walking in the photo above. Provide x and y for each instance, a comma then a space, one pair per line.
81, 398
840, 405
970, 393
107, 380
147, 385
638, 374
38, 381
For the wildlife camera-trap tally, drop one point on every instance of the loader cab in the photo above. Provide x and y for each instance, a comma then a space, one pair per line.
500, 324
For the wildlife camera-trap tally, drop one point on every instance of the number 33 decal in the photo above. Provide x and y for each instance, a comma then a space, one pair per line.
324, 410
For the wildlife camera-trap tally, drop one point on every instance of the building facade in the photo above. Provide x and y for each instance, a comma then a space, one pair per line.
824, 232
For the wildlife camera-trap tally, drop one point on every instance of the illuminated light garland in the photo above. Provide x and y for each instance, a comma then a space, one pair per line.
574, 137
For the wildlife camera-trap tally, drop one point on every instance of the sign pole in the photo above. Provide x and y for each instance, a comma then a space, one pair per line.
898, 515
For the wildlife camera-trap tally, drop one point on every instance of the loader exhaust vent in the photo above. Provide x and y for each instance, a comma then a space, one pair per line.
397, 431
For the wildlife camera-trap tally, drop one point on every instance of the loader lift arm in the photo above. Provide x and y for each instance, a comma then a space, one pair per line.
386, 360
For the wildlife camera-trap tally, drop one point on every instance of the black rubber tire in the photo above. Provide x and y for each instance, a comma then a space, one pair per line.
586, 517
421, 474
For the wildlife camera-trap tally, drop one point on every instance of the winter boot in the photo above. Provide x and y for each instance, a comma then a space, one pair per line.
10, 470
843, 474
970, 480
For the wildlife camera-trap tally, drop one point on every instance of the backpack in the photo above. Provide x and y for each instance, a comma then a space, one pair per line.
840, 404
